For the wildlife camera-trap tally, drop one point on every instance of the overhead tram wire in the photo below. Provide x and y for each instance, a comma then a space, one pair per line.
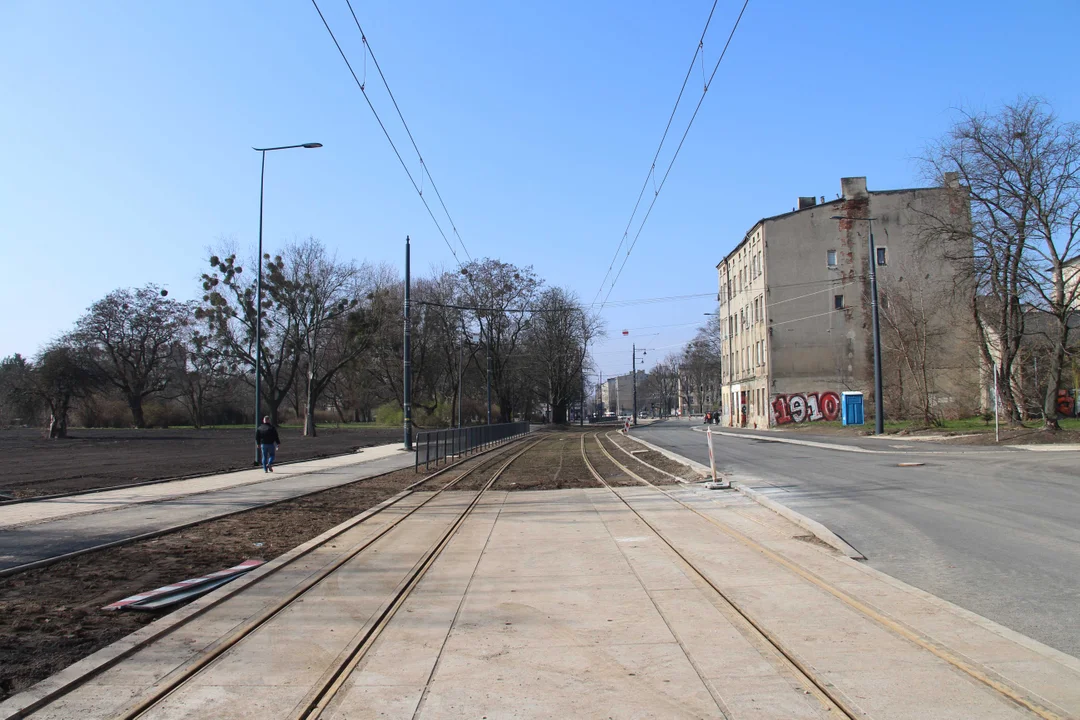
423, 165
671, 164
386, 133
652, 167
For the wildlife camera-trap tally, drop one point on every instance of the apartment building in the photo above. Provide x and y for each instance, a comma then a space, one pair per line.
794, 296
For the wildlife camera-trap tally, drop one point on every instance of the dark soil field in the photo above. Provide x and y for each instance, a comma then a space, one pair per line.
91, 459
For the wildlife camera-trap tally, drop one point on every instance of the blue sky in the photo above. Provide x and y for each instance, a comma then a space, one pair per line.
128, 130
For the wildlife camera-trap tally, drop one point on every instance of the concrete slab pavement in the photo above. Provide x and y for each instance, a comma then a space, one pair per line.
567, 604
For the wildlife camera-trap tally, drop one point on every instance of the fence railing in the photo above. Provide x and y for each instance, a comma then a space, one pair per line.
437, 446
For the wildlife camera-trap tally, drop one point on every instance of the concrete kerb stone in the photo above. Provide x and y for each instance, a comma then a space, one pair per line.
40, 694
813, 526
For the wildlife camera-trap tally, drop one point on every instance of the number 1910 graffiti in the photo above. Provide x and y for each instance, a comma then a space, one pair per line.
805, 407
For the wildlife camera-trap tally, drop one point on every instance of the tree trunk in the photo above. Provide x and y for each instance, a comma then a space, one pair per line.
135, 403
1053, 379
309, 410
558, 412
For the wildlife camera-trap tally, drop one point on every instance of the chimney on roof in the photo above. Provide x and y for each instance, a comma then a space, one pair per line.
807, 202
853, 187
952, 180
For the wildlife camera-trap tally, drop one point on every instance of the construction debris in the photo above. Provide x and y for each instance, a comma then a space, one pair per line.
183, 590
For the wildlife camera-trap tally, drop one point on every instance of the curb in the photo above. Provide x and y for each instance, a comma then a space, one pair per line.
813, 526
693, 464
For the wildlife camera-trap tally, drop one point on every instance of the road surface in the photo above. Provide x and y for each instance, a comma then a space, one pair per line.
995, 531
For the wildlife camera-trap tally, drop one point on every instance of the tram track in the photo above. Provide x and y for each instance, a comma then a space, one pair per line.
458, 471
332, 680
823, 690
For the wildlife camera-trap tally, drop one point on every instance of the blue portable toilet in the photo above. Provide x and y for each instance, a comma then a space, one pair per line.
851, 408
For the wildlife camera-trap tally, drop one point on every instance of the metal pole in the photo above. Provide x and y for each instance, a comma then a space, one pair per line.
633, 379
879, 411
407, 356
258, 308
581, 420
997, 434
460, 366
489, 384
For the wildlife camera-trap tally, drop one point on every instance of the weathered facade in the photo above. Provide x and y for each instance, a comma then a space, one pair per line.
795, 298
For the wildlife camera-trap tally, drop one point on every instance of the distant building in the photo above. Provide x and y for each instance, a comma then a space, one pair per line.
794, 295
617, 393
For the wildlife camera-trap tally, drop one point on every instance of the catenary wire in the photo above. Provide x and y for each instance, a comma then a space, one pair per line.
385, 131
671, 164
426, 170
698, 50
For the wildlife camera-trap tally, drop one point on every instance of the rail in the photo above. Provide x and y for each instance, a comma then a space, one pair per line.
436, 446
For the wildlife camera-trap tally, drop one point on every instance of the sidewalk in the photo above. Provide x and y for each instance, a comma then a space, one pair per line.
38, 531
40, 510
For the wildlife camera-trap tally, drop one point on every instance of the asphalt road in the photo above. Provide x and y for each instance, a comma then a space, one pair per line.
996, 532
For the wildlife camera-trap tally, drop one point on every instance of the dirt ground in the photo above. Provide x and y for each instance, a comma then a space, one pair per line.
105, 458
637, 465
607, 469
51, 617
655, 459
554, 464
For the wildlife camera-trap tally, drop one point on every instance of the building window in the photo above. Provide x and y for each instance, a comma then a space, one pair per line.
830, 257
838, 302
882, 254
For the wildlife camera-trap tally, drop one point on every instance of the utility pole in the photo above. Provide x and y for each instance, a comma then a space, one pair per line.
879, 404
633, 378
407, 355
581, 419
460, 367
489, 384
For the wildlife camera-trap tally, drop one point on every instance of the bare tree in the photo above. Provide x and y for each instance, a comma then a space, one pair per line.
228, 309
915, 325
501, 296
62, 373
1018, 169
134, 340
204, 376
332, 305
558, 339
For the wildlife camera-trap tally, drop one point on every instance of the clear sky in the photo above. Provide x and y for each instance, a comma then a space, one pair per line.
127, 131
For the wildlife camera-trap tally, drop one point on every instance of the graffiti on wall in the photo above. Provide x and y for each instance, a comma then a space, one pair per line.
805, 407
1066, 405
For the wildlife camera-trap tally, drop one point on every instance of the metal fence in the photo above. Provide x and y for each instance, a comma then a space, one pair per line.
438, 446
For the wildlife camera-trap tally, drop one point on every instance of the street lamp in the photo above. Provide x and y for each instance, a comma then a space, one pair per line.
879, 413
258, 285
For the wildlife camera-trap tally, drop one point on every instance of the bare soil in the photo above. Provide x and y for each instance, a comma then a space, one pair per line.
554, 464
637, 466
647, 455
91, 459
51, 617
611, 472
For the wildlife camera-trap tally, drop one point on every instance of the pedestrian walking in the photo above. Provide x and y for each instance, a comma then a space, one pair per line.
266, 437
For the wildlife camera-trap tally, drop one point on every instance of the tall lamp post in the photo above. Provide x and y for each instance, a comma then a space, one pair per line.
879, 412
633, 376
258, 285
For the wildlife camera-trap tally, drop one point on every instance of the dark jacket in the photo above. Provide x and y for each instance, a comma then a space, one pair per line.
266, 434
